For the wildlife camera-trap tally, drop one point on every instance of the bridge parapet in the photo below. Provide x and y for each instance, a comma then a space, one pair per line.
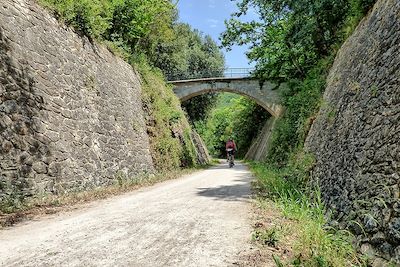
265, 94
221, 73
238, 72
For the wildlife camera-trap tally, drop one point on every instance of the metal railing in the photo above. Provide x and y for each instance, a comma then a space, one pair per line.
238, 72
217, 73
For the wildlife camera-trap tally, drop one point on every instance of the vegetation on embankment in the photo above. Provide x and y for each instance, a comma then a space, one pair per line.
168, 129
295, 42
305, 227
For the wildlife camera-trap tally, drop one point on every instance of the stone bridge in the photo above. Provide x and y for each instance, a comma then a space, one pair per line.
265, 94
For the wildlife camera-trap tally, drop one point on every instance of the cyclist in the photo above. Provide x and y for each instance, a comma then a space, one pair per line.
230, 149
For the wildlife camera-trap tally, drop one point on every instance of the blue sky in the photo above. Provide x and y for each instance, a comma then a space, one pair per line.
208, 16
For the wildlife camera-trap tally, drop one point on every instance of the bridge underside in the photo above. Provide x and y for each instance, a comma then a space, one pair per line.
266, 94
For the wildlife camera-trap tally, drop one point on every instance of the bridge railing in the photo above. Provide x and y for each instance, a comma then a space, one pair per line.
238, 72
217, 73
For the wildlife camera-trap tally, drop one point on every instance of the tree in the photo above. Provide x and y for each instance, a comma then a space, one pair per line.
140, 25
191, 55
291, 35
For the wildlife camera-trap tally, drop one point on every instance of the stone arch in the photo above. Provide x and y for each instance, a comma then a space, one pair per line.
266, 94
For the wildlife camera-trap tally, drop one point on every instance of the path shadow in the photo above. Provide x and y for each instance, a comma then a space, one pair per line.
238, 191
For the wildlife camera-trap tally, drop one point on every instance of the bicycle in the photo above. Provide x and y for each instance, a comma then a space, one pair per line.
230, 157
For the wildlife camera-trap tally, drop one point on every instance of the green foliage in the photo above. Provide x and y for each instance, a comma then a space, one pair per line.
295, 42
374, 90
139, 25
315, 244
234, 116
199, 107
277, 261
302, 100
135, 26
191, 55
89, 17
292, 35
168, 129
268, 237
13, 195
188, 157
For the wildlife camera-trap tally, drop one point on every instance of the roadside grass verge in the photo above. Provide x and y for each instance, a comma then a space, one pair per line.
49, 204
305, 223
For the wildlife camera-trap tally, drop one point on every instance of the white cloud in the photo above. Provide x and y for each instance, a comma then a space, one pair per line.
211, 4
213, 23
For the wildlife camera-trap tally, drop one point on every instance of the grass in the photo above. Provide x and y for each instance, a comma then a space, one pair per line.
167, 126
269, 237
313, 242
49, 203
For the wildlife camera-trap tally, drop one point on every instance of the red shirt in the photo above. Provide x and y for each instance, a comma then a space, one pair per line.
230, 144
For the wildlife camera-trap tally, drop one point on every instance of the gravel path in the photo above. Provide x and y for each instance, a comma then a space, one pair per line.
197, 220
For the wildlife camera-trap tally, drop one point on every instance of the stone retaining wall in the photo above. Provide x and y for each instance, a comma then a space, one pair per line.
356, 136
71, 115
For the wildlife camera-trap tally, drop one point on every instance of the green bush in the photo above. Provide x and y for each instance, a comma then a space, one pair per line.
89, 17
302, 101
169, 132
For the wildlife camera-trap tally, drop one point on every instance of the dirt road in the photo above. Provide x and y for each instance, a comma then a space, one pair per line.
198, 220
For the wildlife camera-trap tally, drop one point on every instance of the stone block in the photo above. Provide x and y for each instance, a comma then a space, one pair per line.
39, 167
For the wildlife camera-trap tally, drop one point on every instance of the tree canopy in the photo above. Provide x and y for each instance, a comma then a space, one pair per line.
291, 36
294, 41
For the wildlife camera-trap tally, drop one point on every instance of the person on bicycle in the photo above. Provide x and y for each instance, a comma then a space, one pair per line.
230, 149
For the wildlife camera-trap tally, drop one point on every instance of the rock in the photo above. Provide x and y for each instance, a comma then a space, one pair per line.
387, 250
39, 167
54, 169
6, 146
22, 129
355, 227
378, 238
5, 122
9, 106
379, 262
396, 207
396, 256
368, 250
370, 224
394, 231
